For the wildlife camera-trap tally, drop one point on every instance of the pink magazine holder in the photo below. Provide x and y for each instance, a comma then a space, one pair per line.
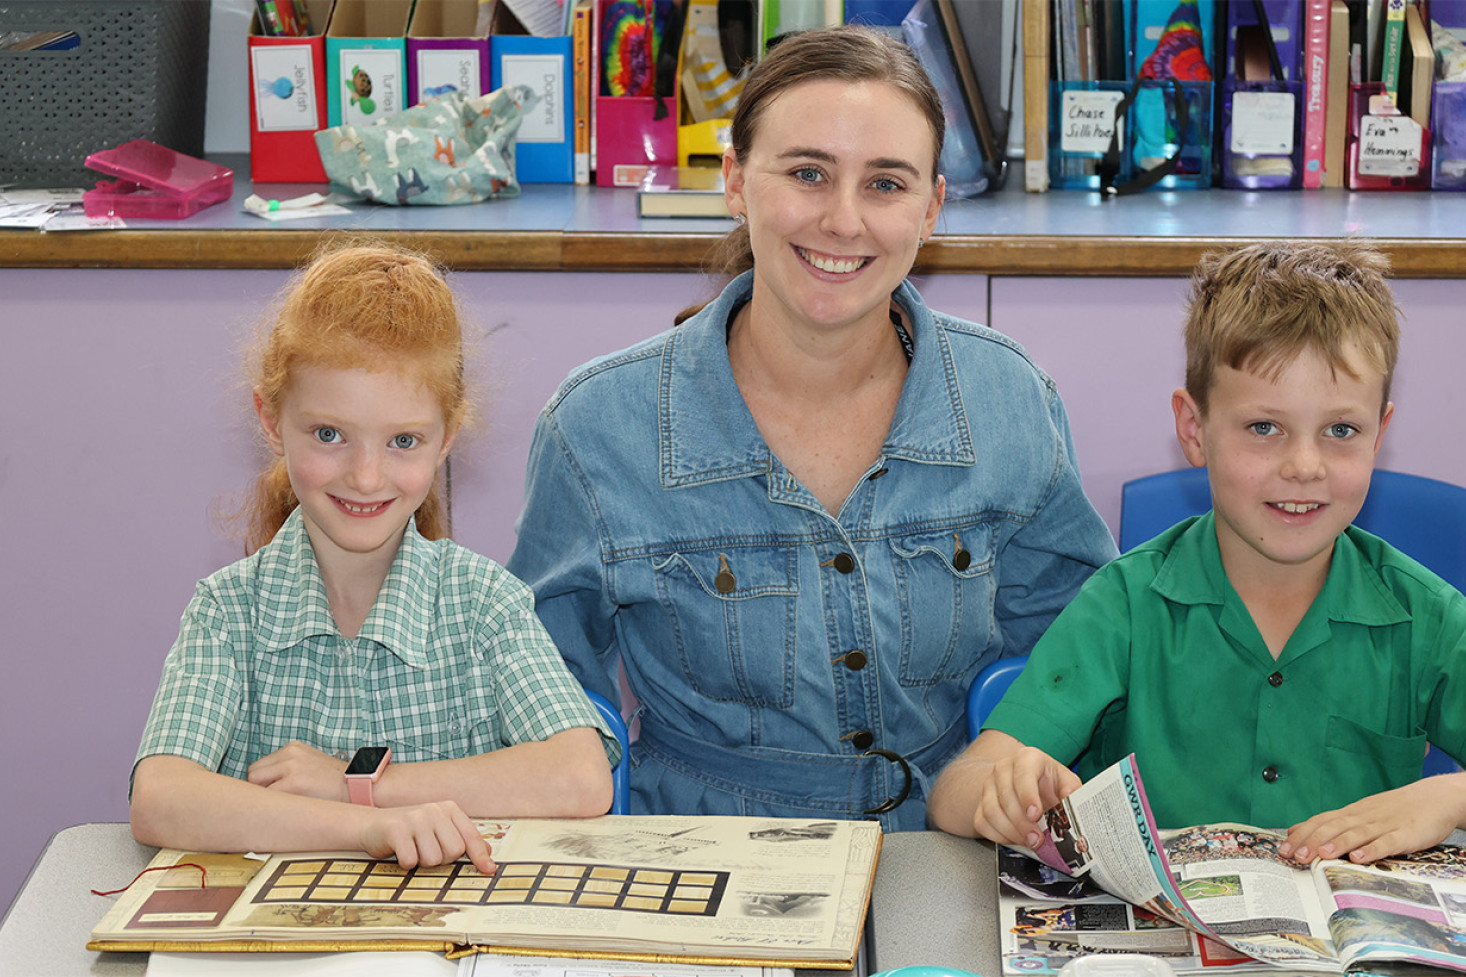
156, 182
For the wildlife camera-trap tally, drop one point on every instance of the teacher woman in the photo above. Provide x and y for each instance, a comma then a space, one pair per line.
807, 516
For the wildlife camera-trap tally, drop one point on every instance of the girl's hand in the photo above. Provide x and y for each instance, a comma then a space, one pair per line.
426, 835
300, 769
1016, 793
1398, 821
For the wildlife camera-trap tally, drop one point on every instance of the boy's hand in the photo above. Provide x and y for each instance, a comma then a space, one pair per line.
1406, 819
426, 835
300, 769
1016, 793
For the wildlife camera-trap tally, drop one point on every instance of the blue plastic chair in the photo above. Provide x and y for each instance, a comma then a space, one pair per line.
621, 775
988, 688
1423, 517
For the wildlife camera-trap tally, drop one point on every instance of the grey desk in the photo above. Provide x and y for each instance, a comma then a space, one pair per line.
933, 904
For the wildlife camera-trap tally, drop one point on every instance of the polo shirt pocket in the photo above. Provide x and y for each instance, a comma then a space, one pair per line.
945, 586
1366, 761
733, 621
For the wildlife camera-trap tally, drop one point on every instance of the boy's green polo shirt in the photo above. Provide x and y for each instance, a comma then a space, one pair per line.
450, 662
1157, 655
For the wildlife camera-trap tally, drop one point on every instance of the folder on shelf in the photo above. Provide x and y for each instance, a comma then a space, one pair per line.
445, 52
366, 77
545, 149
287, 102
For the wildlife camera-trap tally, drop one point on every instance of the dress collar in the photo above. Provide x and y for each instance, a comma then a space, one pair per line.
292, 596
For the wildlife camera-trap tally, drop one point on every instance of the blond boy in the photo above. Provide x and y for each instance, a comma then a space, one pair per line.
1267, 662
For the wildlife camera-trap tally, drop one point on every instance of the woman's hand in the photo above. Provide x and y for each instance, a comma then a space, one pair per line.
296, 768
1393, 822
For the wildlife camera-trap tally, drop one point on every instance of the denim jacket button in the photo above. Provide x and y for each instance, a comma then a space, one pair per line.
844, 562
725, 582
961, 560
861, 739
855, 660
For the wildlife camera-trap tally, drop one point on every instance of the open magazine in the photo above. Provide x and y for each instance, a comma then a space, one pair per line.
1104, 880
764, 891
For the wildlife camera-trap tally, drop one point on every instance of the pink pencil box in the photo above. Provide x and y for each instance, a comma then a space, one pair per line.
155, 182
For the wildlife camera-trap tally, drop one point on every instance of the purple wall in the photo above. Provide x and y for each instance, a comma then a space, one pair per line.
127, 421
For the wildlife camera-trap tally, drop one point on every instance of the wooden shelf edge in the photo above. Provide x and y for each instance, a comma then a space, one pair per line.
1048, 255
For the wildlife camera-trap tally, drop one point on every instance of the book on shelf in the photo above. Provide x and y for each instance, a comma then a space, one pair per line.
1035, 95
1315, 90
1417, 67
1336, 105
580, 31
1392, 49
1104, 879
780, 892
682, 191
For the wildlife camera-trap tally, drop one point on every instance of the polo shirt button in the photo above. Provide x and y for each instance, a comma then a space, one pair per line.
862, 739
855, 660
845, 563
1275, 679
1270, 773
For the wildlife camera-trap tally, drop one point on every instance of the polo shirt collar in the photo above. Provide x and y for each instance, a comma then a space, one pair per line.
292, 595
1353, 593
707, 434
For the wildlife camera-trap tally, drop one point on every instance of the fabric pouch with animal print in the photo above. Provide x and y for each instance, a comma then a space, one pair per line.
449, 150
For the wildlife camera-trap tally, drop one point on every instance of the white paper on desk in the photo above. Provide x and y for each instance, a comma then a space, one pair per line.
376, 963
24, 215
507, 965
58, 195
302, 213
73, 218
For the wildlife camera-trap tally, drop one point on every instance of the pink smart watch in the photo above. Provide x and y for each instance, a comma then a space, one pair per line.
364, 770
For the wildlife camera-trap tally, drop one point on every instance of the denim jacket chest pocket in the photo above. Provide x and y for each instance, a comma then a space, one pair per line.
946, 588
733, 617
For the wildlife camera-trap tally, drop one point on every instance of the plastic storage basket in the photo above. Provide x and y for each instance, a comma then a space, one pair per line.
139, 72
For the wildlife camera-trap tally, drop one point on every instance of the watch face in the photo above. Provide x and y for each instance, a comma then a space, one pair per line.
366, 761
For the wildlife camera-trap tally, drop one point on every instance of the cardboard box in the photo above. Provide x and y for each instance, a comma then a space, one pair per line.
287, 105
366, 61
445, 51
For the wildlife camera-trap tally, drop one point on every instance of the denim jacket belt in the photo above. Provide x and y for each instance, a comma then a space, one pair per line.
847, 783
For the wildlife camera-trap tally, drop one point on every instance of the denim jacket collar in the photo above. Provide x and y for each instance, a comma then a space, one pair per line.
706, 433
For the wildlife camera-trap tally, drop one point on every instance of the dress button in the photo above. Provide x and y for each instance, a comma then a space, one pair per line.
844, 563
862, 739
1270, 773
855, 660
1275, 679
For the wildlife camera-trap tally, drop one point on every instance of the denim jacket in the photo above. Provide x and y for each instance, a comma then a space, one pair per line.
789, 661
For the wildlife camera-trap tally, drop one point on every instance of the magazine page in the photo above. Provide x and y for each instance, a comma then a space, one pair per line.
774, 889
1048, 918
1105, 829
1224, 882
1411, 908
1233, 879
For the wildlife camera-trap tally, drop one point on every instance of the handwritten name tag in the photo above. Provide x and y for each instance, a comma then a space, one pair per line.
1088, 121
1389, 145
1262, 123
